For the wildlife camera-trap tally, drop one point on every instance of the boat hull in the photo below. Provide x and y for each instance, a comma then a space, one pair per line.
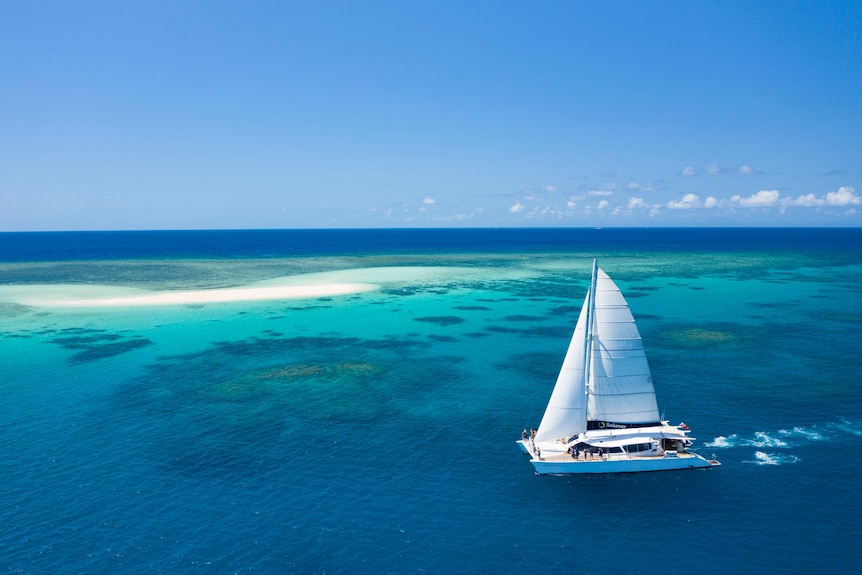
553, 461
622, 465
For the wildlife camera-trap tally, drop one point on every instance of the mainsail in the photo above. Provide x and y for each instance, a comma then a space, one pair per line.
619, 387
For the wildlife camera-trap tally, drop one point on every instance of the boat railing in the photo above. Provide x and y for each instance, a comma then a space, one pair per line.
585, 457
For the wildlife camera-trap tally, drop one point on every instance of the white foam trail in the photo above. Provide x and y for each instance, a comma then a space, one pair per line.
722, 441
762, 458
809, 434
784, 438
762, 439
847, 427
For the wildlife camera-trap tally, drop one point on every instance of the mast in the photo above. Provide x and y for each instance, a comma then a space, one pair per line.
589, 335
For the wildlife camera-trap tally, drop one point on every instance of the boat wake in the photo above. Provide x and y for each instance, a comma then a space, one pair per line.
785, 439
761, 458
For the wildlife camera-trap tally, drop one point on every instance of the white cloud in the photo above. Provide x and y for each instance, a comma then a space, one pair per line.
714, 169
550, 188
762, 199
845, 196
687, 202
517, 207
808, 200
429, 201
637, 186
574, 201
603, 200
548, 212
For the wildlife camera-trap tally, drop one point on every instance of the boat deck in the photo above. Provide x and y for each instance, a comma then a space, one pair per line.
562, 457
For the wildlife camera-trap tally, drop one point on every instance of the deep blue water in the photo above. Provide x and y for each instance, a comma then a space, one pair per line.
64, 246
374, 432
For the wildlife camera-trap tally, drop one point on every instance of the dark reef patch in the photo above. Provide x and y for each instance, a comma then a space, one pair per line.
523, 318
564, 310
10, 309
441, 320
475, 334
635, 295
272, 392
553, 332
442, 338
92, 345
539, 366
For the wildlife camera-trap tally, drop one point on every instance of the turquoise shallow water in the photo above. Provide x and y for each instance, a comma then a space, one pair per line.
374, 432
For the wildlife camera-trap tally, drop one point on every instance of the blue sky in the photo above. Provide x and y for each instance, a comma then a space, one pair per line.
212, 114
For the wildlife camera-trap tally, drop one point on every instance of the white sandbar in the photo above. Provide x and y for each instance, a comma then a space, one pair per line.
225, 295
102, 296
301, 286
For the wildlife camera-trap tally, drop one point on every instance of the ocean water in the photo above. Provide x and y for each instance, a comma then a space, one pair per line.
373, 432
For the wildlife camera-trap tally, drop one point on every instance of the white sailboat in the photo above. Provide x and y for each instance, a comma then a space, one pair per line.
603, 416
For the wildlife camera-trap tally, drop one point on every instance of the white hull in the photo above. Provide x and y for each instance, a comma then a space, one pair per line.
557, 463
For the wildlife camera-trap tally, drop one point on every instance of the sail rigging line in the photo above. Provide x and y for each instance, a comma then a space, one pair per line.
590, 337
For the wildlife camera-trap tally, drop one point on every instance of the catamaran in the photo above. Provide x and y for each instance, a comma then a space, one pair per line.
603, 416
